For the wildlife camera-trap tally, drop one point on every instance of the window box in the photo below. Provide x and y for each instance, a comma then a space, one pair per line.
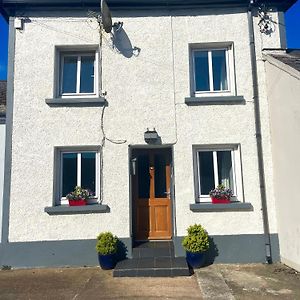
219, 200
77, 202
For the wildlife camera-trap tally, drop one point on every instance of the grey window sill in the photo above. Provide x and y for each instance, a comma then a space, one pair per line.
209, 207
99, 101
70, 210
217, 100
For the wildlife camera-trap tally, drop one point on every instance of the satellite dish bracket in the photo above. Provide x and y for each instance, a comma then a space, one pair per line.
117, 26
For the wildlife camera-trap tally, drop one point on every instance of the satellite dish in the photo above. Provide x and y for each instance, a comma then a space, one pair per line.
106, 17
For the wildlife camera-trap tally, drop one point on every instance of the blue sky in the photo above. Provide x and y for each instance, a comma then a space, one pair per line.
292, 19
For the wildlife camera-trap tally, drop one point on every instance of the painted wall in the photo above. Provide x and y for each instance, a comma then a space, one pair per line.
143, 91
2, 153
283, 93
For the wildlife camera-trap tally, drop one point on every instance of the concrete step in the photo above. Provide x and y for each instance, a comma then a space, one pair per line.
153, 249
152, 267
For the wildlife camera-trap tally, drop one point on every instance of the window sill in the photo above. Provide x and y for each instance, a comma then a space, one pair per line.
71, 210
99, 101
209, 207
215, 100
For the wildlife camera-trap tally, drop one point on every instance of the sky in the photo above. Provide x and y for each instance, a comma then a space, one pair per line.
292, 22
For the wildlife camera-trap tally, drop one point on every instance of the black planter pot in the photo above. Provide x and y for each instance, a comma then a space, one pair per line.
107, 262
195, 260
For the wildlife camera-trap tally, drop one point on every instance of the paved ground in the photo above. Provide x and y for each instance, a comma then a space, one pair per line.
91, 283
249, 281
253, 281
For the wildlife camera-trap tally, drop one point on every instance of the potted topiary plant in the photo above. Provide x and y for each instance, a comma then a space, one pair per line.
78, 197
220, 194
107, 245
196, 243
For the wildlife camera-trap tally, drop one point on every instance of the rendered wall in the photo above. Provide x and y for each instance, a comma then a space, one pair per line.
143, 91
2, 153
283, 93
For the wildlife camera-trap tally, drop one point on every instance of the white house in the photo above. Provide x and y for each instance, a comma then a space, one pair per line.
150, 117
283, 87
2, 142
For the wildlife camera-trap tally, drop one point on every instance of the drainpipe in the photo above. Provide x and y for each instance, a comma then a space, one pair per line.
258, 135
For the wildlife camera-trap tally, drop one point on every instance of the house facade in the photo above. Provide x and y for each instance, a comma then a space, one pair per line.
150, 117
283, 82
2, 142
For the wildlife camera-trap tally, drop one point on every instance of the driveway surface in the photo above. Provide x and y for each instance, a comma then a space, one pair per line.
91, 283
248, 281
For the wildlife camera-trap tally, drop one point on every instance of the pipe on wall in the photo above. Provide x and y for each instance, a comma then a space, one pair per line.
258, 136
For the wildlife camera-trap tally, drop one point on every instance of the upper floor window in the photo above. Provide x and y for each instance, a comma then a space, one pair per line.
78, 74
212, 70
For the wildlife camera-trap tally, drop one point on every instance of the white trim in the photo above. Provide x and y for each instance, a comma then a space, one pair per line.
210, 72
236, 170
215, 166
63, 200
229, 71
79, 55
78, 83
79, 169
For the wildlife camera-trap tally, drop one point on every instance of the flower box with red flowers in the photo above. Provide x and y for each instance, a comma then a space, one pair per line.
220, 195
79, 196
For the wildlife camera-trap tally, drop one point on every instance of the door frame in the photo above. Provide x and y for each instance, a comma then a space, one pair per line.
172, 186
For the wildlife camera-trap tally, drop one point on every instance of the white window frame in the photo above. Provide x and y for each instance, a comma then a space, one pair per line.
236, 170
229, 70
61, 69
95, 198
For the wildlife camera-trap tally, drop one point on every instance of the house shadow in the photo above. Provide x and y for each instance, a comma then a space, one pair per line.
122, 43
211, 253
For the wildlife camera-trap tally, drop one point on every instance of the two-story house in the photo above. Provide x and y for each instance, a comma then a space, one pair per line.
150, 116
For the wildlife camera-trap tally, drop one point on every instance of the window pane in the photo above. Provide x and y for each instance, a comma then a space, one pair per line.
225, 168
69, 74
87, 74
144, 176
219, 70
88, 171
69, 175
207, 181
201, 71
160, 176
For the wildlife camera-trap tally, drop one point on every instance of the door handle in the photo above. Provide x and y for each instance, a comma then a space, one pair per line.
168, 194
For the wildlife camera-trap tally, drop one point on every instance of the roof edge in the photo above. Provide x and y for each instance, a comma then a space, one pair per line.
9, 5
267, 55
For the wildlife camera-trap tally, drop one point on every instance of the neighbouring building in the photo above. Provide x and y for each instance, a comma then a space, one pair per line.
283, 89
150, 116
2, 142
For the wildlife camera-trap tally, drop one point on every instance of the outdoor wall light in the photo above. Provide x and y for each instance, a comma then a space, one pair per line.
151, 136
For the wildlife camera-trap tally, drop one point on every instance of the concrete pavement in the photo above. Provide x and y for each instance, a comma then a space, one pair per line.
226, 282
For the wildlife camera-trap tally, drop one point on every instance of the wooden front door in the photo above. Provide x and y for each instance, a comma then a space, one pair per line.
151, 194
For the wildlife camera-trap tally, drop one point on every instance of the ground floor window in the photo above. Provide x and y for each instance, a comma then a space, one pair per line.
217, 165
77, 168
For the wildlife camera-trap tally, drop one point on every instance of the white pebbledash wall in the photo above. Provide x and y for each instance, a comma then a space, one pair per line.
2, 153
142, 91
283, 93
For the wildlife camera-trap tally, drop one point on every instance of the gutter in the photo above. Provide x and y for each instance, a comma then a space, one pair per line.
258, 136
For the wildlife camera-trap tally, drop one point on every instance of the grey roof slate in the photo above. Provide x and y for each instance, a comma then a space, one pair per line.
290, 58
2, 97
